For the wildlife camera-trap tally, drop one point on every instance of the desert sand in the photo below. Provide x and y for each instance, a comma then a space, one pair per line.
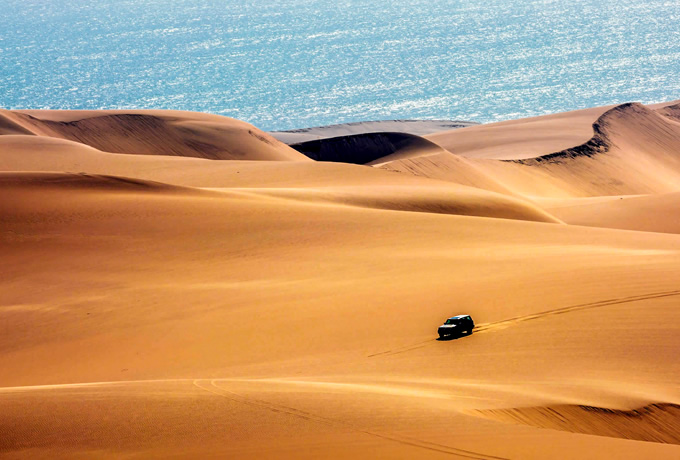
185, 285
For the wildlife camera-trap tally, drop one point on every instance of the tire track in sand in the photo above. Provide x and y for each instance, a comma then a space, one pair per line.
212, 387
505, 323
559, 311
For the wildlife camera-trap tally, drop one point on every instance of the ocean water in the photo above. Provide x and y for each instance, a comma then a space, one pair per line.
283, 64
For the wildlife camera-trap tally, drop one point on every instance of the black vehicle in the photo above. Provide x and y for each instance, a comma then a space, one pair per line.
456, 325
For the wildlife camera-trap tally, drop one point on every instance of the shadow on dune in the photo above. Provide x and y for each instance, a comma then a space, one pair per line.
639, 122
659, 422
360, 148
449, 338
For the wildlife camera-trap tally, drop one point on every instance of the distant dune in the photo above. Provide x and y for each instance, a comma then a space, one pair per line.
184, 285
632, 149
415, 127
523, 138
155, 133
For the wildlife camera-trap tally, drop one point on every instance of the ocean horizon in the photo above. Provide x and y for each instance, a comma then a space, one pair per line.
299, 63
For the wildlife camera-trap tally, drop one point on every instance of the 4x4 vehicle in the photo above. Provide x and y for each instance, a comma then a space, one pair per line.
456, 325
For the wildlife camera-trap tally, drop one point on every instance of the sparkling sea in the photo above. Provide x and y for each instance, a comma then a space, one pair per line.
283, 64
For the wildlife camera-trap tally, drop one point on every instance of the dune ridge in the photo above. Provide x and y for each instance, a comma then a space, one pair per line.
159, 133
338, 183
443, 165
462, 201
605, 132
632, 150
9, 126
40, 181
415, 127
671, 111
522, 138
658, 422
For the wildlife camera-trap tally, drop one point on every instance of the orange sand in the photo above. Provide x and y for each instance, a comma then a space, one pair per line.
243, 305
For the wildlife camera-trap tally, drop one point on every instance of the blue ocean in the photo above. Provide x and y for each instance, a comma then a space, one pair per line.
296, 63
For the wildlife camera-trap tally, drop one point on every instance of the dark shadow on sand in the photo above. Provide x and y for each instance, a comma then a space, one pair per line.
448, 338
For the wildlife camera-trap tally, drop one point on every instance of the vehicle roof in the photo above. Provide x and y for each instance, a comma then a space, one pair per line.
459, 317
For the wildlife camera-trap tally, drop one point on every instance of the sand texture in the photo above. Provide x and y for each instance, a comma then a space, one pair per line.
184, 285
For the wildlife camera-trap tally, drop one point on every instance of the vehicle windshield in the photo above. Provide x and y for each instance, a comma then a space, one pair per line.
452, 321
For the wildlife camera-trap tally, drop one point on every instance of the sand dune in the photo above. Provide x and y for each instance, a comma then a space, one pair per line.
158, 133
415, 127
443, 165
9, 126
332, 183
524, 138
647, 213
632, 150
398, 152
41, 183
465, 201
655, 423
155, 305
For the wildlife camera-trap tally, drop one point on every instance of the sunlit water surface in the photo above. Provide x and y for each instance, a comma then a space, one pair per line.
295, 63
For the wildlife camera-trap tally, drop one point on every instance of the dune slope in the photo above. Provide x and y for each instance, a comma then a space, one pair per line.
523, 138
632, 150
158, 133
302, 181
9, 126
655, 423
192, 292
646, 213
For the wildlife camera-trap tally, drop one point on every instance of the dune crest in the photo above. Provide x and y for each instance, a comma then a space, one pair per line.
443, 165
652, 423
632, 150
618, 124
462, 201
522, 138
47, 182
9, 125
671, 111
416, 127
159, 133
